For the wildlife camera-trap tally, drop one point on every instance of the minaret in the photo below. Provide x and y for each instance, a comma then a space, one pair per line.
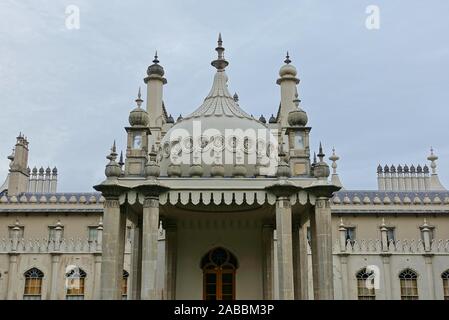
287, 82
18, 172
435, 184
137, 145
155, 81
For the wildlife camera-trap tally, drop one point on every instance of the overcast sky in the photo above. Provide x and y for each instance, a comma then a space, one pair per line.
378, 96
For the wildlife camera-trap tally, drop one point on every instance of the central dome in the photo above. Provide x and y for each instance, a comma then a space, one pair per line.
218, 132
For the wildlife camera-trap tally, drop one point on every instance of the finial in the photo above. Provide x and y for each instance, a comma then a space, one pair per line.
114, 149
334, 158
155, 58
220, 63
236, 97
296, 101
320, 153
139, 99
113, 155
314, 158
287, 58
432, 158
120, 162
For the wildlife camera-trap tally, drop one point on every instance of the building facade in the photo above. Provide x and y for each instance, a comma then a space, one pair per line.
219, 205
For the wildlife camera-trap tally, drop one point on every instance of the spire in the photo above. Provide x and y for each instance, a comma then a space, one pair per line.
139, 99
320, 153
156, 60
120, 162
287, 59
220, 63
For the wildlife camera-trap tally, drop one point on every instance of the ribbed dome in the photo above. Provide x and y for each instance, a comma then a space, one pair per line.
210, 126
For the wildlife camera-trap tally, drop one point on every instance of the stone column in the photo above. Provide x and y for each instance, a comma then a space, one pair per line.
284, 245
344, 276
97, 276
113, 246
12, 277
135, 278
387, 275
55, 285
170, 261
322, 263
430, 277
150, 231
300, 260
267, 263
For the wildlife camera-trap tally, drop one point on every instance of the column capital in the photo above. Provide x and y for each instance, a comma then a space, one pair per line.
110, 190
283, 189
323, 191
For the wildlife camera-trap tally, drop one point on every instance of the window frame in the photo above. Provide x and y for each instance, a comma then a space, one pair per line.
445, 279
363, 293
31, 291
79, 293
408, 282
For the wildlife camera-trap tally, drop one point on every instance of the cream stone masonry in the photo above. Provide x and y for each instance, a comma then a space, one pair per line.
211, 215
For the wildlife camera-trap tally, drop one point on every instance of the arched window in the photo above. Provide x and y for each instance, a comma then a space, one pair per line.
445, 277
409, 284
219, 266
125, 285
33, 284
365, 285
75, 282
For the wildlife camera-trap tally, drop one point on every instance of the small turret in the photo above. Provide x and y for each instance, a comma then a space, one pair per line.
18, 173
321, 169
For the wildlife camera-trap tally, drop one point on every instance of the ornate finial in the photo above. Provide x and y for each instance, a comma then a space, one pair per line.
113, 155
220, 63
156, 60
139, 99
296, 101
432, 158
179, 118
314, 157
287, 58
334, 158
236, 97
114, 148
120, 162
320, 153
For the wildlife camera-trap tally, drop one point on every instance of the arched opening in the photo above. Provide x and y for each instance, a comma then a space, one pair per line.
445, 277
409, 284
219, 267
33, 284
75, 282
365, 285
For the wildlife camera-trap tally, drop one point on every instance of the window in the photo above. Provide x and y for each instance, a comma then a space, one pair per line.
125, 285
364, 278
445, 277
93, 232
299, 140
350, 234
11, 232
137, 143
391, 236
409, 285
75, 281
52, 232
33, 284
129, 233
219, 267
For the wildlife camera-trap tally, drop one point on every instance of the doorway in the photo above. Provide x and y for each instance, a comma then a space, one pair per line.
219, 270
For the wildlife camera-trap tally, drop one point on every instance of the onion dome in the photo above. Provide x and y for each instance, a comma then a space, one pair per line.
393, 169
426, 169
297, 117
48, 171
112, 168
174, 170
272, 119
41, 171
283, 170
54, 171
236, 97
406, 169
262, 119
412, 169
155, 68
386, 169
288, 70
379, 169
152, 169
321, 169
139, 116
180, 118
400, 169
170, 119
419, 168
34, 171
